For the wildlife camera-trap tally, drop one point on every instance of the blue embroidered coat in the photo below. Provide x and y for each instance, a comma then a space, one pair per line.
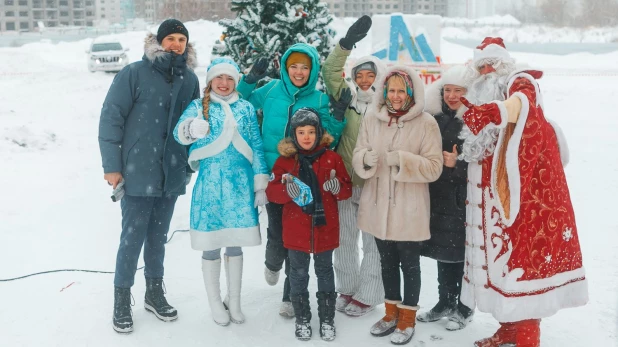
231, 167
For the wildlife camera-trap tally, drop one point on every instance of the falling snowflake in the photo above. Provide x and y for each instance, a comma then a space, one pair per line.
567, 234
548, 258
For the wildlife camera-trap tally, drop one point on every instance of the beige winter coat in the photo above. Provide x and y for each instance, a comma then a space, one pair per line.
394, 203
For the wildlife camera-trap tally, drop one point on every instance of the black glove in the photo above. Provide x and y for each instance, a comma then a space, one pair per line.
357, 32
258, 71
338, 108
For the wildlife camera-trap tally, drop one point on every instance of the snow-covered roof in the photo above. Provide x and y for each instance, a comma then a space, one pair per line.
496, 20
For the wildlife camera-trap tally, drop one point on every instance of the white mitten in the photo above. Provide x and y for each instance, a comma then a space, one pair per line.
260, 198
392, 158
199, 128
371, 158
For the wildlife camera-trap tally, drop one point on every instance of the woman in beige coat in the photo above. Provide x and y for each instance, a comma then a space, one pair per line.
398, 152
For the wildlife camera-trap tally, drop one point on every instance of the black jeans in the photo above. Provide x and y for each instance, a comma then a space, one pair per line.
276, 254
404, 254
299, 271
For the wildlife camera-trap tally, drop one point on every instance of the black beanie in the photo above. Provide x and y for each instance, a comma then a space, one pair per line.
171, 26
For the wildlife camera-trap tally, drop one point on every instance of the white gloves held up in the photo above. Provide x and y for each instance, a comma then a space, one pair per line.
371, 158
198, 129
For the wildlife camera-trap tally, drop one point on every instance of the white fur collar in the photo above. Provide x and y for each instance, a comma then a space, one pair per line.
433, 100
154, 51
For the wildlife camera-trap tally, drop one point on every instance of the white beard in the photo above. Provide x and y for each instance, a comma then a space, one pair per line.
484, 89
487, 88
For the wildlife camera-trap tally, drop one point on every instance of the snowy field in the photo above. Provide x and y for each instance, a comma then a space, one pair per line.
56, 214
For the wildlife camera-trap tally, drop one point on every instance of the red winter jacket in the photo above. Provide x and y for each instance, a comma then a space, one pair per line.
298, 232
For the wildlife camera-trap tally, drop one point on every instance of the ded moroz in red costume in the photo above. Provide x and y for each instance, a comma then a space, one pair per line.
523, 258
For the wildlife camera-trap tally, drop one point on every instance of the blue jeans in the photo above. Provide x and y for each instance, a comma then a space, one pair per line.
216, 253
145, 222
299, 271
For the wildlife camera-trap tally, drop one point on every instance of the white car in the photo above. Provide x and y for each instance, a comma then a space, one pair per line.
107, 56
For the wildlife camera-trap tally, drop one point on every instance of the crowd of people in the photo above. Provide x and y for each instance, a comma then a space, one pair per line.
468, 172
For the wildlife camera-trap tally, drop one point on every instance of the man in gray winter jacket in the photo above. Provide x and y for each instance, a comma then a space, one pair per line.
138, 150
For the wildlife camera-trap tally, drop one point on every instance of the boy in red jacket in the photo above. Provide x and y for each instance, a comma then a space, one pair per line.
314, 227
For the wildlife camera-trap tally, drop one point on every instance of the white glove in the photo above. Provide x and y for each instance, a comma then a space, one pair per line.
371, 158
199, 128
260, 198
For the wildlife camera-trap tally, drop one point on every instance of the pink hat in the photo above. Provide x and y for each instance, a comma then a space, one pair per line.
491, 48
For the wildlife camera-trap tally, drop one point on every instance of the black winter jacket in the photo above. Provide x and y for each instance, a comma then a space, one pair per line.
448, 196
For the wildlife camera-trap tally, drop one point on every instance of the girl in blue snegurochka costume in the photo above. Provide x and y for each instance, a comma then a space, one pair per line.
226, 148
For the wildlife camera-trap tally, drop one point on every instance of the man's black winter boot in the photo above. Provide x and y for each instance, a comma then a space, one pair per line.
155, 302
122, 320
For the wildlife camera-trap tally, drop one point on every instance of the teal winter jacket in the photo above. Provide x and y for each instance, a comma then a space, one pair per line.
279, 99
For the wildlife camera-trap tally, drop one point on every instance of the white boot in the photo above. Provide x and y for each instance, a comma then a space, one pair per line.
212, 274
233, 273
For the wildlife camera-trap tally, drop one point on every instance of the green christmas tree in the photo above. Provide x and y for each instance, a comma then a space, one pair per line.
267, 28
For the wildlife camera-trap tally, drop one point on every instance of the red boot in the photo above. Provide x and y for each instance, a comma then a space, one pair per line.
507, 333
528, 333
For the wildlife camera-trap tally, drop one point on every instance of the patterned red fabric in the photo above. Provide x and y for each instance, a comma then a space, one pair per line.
506, 334
543, 235
528, 333
478, 116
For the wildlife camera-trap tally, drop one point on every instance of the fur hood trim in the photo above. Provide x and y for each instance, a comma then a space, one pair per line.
287, 149
419, 95
153, 51
433, 100
380, 67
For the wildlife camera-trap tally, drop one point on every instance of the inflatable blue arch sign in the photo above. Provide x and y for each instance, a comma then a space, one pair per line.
409, 39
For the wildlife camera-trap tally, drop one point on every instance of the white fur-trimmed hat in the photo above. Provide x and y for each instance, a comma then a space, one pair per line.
491, 48
222, 66
455, 75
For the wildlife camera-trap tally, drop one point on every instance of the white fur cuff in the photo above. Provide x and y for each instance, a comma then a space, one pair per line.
260, 181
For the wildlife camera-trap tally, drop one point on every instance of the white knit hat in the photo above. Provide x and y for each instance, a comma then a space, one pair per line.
455, 75
491, 48
223, 66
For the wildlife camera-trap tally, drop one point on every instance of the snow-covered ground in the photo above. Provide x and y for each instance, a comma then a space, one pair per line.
56, 213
